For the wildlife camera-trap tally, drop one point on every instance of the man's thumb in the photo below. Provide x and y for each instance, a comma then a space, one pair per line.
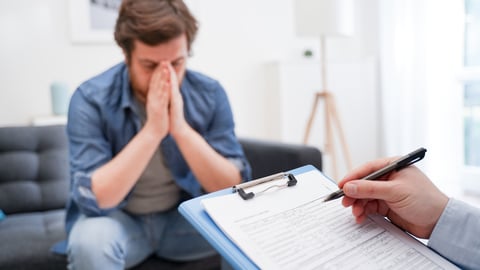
365, 189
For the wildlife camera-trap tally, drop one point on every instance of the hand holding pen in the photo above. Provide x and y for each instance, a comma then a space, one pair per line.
407, 196
396, 165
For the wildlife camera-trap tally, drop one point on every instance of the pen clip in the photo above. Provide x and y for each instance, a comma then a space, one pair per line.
411, 158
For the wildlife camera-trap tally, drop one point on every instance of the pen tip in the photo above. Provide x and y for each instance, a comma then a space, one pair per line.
335, 195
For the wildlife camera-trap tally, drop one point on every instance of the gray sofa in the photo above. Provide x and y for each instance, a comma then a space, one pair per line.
34, 182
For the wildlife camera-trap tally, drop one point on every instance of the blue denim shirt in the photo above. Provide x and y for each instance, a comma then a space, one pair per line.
102, 119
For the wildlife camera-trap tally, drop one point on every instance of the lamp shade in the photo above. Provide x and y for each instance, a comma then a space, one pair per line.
324, 17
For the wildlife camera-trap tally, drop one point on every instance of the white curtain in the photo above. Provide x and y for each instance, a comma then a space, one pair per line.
421, 55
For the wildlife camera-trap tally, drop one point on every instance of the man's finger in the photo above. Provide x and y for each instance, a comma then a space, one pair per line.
366, 169
366, 189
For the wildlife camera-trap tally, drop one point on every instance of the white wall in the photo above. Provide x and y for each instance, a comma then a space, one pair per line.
236, 43
36, 50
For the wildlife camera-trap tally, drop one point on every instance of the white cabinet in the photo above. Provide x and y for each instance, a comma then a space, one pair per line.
293, 86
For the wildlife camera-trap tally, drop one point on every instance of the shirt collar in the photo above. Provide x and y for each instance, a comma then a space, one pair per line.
127, 100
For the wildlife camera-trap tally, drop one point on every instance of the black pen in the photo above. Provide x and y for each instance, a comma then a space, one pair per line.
397, 165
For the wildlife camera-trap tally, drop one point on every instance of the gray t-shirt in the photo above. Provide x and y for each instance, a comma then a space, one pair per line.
156, 190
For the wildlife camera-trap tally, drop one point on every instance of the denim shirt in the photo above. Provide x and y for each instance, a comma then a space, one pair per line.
102, 119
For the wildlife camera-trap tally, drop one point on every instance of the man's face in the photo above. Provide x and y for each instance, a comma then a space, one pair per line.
144, 59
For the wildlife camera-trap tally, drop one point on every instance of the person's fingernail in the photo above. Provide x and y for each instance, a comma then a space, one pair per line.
350, 188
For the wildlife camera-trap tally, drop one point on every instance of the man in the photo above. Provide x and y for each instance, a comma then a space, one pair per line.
144, 136
412, 202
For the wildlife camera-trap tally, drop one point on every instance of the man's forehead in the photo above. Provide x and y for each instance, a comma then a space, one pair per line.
156, 62
170, 51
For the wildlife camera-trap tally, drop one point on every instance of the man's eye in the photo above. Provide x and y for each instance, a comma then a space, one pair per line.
177, 63
149, 66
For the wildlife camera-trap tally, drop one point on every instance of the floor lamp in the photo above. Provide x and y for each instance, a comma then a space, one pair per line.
322, 18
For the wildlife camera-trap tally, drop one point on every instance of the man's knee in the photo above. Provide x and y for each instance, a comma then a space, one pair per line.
92, 238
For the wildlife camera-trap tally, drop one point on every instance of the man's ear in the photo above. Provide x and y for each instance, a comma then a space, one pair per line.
126, 56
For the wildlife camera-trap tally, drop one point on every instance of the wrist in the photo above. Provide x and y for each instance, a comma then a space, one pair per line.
182, 132
435, 212
440, 207
152, 133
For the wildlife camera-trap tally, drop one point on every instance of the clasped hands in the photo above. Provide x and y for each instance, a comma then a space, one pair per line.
164, 103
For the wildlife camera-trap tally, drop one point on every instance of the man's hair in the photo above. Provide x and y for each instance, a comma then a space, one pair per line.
153, 22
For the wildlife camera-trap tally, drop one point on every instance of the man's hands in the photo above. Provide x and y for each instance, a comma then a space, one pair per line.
407, 197
165, 115
158, 100
164, 104
178, 124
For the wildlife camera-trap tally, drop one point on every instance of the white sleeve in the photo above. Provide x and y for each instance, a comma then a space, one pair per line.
457, 235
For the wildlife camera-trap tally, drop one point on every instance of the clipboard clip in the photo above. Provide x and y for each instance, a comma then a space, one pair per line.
291, 181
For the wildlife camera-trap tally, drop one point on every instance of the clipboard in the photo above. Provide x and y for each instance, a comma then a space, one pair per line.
194, 212
392, 243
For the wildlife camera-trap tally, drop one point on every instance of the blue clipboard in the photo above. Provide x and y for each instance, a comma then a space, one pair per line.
193, 211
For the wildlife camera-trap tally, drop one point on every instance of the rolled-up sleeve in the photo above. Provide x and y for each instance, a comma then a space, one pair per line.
221, 134
88, 150
456, 235
208, 111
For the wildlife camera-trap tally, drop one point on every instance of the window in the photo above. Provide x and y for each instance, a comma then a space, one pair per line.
471, 95
472, 124
471, 98
472, 33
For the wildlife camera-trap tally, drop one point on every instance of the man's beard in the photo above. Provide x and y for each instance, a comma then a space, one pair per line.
137, 91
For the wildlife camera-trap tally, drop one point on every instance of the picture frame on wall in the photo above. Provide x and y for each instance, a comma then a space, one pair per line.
93, 21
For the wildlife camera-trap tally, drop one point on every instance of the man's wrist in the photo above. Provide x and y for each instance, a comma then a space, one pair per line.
152, 133
182, 133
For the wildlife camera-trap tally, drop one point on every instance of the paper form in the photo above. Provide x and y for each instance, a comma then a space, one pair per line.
293, 228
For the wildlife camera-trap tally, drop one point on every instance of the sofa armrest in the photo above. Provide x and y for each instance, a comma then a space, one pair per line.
269, 157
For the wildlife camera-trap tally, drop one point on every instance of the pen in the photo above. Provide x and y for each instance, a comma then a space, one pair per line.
397, 165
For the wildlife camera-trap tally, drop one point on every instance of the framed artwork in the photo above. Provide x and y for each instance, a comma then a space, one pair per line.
93, 21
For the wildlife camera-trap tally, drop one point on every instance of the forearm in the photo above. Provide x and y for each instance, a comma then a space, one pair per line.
212, 170
112, 182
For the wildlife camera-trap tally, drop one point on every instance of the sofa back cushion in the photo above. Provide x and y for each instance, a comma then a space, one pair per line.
270, 157
34, 174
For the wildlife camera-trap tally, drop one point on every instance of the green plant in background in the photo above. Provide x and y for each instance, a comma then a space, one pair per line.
307, 53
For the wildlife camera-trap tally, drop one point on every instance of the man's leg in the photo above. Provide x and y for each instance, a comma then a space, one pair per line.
179, 241
116, 241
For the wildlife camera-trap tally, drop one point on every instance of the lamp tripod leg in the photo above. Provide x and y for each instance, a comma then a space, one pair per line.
331, 121
310, 119
329, 143
341, 135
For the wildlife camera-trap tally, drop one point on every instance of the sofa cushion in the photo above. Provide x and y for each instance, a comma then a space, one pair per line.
270, 157
26, 240
34, 173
